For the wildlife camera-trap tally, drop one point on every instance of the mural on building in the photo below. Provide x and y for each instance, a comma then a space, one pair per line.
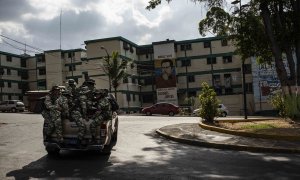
165, 73
165, 78
265, 80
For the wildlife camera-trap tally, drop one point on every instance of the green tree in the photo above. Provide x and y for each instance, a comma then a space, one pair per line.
208, 103
115, 68
266, 29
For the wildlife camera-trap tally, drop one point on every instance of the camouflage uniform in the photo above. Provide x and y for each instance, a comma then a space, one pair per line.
104, 112
55, 105
78, 113
72, 87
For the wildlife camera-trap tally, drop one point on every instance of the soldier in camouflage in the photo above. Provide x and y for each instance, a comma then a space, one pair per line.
103, 112
78, 112
72, 87
55, 105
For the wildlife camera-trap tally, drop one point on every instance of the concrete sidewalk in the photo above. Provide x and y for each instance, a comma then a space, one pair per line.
193, 134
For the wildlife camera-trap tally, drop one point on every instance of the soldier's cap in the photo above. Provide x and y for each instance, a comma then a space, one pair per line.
90, 81
71, 81
55, 88
84, 90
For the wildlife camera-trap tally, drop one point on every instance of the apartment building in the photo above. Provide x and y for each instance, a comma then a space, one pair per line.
191, 62
210, 60
13, 76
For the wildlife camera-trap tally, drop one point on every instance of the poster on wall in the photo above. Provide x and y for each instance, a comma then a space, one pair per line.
167, 95
265, 80
165, 73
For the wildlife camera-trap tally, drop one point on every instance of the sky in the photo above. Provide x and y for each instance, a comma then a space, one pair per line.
37, 22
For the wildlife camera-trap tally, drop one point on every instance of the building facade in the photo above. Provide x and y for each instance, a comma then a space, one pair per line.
162, 71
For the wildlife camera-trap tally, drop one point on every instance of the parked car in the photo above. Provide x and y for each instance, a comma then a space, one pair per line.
161, 108
12, 106
222, 109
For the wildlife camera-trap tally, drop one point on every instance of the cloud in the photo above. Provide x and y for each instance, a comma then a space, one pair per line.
38, 21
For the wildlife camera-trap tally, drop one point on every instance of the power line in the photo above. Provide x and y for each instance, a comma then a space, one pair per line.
38, 49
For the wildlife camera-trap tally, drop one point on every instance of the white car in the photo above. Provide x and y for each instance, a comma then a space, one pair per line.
223, 110
12, 105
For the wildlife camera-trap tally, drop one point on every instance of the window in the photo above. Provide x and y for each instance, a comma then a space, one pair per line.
125, 46
21, 98
72, 68
224, 42
128, 97
214, 60
217, 84
71, 54
24, 75
1, 83
227, 80
133, 80
227, 84
8, 58
8, 72
20, 85
184, 47
42, 71
147, 98
147, 56
8, 84
133, 97
249, 88
206, 44
148, 81
23, 63
41, 59
42, 83
19, 73
186, 62
125, 80
247, 68
227, 59
63, 55
9, 97
191, 78
192, 94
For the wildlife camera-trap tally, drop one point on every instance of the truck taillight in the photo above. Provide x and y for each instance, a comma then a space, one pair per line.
103, 130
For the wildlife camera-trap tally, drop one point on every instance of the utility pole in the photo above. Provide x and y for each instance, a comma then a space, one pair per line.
186, 74
211, 65
243, 63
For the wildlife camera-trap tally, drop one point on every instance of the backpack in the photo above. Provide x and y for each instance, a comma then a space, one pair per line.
113, 102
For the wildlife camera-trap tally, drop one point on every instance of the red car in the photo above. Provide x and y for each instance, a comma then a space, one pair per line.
161, 108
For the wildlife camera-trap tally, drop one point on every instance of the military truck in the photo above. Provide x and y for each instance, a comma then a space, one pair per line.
106, 135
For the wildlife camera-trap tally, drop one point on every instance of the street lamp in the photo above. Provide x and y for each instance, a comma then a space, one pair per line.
243, 63
211, 65
108, 58
186, 73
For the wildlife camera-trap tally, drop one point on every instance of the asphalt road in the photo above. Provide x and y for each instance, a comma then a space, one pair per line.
139, 154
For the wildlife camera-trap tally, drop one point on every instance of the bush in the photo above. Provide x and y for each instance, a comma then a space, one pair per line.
208, 103
288, 106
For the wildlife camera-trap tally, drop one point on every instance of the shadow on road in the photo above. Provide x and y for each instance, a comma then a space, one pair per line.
68, 164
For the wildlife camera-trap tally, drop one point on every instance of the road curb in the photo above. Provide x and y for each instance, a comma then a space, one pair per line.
226, 146
248, 134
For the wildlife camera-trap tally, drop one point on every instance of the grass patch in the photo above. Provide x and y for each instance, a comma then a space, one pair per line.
258, 126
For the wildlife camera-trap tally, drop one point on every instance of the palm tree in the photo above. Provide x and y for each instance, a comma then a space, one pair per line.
115, 69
